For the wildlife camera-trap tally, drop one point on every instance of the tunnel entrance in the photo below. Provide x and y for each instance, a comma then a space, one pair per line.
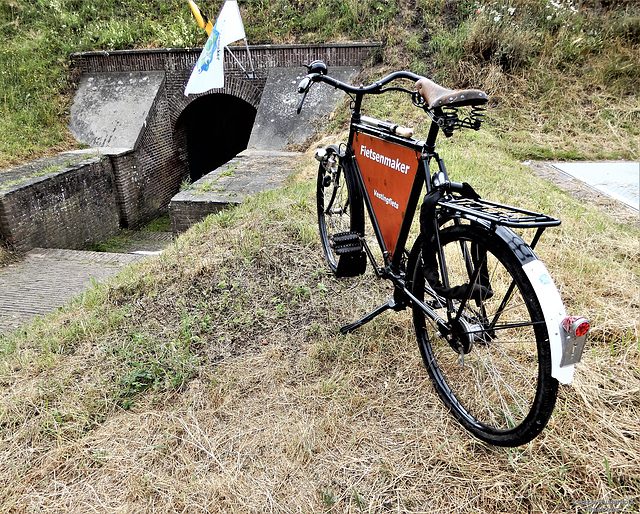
218, 127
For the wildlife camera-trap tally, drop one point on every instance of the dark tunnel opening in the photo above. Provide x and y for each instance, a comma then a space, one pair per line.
218, 127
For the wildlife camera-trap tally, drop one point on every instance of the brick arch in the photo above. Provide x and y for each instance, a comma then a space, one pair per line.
236, 86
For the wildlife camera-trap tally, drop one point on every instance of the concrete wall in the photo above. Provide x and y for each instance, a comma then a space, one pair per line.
250, 172
126, 115
132, 185
70, 208
147, 179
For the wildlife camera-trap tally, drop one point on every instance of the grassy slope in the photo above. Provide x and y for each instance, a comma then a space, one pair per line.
36, 39
212, 378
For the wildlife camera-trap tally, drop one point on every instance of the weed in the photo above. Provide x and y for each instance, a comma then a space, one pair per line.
208, 186
225, 218
328, 498
161, 224
229, 172
145, 363
186, 184
113, 244
361, 504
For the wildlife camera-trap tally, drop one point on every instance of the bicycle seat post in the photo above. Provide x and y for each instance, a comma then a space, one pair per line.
430, 144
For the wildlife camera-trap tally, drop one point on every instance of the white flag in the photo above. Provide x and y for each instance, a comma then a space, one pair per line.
208, 73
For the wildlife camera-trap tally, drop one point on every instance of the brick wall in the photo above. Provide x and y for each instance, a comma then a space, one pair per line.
187, 209
162, 164
89, 202
70, 208
147, 177
263, 57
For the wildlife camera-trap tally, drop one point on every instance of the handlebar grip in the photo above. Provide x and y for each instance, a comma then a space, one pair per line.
404, 131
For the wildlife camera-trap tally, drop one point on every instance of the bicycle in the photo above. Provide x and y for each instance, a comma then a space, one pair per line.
491, 327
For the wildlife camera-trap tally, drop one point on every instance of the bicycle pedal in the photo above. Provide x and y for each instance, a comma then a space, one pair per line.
346, 242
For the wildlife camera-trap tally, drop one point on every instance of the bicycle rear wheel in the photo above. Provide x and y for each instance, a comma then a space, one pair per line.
492, 365
340, 216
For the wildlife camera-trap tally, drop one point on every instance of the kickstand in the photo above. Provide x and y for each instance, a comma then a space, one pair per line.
391, 304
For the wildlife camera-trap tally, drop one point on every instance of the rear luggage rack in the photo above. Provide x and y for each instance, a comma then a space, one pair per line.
499, 214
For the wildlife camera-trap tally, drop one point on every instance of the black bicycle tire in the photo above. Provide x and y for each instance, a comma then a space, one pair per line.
347, 264
543, 401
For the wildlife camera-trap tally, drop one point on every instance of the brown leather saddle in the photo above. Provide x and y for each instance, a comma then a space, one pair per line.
438, 96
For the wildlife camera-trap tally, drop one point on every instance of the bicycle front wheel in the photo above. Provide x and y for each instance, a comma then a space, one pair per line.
340, 216
491, 365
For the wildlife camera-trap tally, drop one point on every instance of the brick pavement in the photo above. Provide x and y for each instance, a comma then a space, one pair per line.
48, 278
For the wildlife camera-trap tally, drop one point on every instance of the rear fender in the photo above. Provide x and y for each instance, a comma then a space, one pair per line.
549, 298
548, 295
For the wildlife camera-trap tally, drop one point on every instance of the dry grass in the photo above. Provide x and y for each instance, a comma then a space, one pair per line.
7, 256
254, 403
551, 115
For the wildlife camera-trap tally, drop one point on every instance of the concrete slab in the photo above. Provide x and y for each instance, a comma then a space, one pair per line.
619, 180
277, 124
110, 109
248, 173
44, 165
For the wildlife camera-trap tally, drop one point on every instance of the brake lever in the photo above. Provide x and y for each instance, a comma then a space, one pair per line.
303, 87
299, 108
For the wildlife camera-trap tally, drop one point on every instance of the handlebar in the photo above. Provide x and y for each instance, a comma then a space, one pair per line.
318, 73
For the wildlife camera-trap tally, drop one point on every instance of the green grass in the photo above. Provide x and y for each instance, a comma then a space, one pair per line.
113, 244
567, 76
37, 39
161, 224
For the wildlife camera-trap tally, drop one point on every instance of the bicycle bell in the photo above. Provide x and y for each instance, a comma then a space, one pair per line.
317, 67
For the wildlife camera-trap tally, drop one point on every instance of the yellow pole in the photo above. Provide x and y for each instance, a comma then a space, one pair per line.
201, 18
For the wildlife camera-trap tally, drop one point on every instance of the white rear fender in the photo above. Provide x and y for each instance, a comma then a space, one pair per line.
554, 313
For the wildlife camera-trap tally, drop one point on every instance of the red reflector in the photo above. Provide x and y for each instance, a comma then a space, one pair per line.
576, 325
582, 329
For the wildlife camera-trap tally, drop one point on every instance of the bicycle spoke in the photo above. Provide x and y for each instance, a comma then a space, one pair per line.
499, 378
486, 371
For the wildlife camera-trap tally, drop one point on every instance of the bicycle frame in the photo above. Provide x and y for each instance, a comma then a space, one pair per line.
449, 201
417, 175
418, 178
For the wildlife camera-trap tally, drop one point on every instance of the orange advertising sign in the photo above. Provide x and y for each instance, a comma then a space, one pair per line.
388, 171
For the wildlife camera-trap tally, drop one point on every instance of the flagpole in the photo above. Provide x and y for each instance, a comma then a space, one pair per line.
253, 70
237, 61
251, 75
